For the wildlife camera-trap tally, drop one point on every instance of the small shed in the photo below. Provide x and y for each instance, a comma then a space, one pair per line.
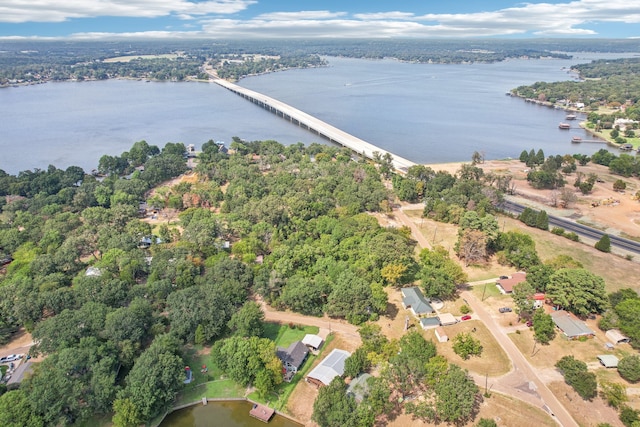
538, 299
616, 337
359, 387
414, 300
608, 360
441, 335
447, 319
429, 322
314, 342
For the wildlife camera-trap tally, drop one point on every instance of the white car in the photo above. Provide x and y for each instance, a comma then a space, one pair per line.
10, 358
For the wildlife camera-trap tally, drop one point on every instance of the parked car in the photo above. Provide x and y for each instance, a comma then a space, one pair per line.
504, 277
10, 358
466, 317
504, 309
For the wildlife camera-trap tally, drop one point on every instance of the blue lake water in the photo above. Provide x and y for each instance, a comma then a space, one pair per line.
427, 113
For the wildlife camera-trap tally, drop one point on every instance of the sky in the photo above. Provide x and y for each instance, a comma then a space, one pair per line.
232, 19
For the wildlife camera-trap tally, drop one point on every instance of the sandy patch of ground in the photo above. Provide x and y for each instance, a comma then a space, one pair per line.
20, 343
586, 413
622, 218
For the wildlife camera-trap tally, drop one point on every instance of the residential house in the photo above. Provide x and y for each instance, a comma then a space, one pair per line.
292, 358
412, 299
505, 286
330, 367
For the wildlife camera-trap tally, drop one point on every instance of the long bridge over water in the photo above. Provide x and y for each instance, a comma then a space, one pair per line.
315, 125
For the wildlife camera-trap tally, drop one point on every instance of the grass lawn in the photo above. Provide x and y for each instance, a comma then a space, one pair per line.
284, 336
493, 361
212, 389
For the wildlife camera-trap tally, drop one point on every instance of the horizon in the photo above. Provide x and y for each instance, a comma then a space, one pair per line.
258, 19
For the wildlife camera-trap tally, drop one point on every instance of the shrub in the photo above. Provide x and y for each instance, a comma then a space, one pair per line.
629, 368
572, 236
604, 244
557, 231
465, 309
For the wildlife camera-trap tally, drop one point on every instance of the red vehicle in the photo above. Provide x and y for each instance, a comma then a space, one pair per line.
465, 317
529, 323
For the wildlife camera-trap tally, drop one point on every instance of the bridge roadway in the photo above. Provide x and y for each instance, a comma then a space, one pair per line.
313, 124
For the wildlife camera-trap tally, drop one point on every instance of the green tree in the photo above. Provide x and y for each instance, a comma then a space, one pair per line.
629, 368
125, 414
524, 156
542, 220
439, 274
613, 393
577, 376
248, 321
456, 395
332, 407
604, 244
15, 410
153, 382
629, 416
199, 337
486, 422
465, 345
523, 298
577, 290
357, 363
543, 327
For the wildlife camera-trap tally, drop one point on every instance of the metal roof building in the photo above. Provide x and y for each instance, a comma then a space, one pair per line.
571, 326
608, 360
330, 367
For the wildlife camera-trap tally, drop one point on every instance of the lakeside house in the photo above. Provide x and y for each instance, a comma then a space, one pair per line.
292, 358
330, 367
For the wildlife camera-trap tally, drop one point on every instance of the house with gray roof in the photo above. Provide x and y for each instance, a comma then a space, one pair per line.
412, 299
292, 358
330, 367
572, 327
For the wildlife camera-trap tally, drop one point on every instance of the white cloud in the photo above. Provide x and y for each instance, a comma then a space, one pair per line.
18, 11
572, 18
302, 15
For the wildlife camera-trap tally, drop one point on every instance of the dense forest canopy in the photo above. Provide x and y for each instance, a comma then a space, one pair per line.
37, 61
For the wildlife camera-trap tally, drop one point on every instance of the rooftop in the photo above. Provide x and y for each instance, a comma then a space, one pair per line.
413, 298
508, 284
608, 360
295, 354
330, 367
570, 325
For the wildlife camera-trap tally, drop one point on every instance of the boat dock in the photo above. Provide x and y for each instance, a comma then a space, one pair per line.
313, 124
261, 412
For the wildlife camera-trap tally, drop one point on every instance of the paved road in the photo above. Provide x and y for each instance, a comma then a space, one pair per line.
521, 382
581, 230
522, 372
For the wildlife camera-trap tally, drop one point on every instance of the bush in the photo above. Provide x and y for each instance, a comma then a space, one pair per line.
465, 309
572, 236
629, 368
604, 244
577, 376
557, 231
464, 345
